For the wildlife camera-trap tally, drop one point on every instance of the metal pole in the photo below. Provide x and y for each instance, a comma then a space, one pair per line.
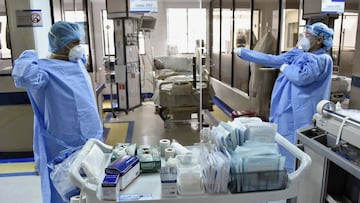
111, 86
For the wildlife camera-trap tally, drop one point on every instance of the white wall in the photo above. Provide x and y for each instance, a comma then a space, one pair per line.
23, 38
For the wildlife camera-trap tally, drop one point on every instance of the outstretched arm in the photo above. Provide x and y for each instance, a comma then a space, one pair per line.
268, 60
27, 73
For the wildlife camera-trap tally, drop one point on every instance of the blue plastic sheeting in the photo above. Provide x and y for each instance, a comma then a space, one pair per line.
355, 81
224, 107
17, 160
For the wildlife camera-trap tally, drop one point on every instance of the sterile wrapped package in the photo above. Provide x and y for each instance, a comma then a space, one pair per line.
222, 137
251, 148
231, 130
246, 120
261, 132
262, 163
122, 149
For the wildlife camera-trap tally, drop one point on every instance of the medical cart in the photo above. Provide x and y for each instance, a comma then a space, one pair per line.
97, 155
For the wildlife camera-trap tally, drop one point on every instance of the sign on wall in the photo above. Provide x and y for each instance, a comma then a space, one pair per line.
143, 6
29, 18
332, 6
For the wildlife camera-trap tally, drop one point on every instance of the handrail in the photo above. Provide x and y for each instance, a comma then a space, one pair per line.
305, 160
75, 168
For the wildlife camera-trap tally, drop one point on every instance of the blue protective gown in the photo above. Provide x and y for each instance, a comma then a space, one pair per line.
297, 90
65, 111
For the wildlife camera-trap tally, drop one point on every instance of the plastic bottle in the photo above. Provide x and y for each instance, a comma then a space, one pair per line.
205, 133
338, 106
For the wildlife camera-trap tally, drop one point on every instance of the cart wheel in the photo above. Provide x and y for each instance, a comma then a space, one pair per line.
163, 112
157, 109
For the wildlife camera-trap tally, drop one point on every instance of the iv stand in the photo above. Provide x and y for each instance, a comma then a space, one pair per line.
111, 85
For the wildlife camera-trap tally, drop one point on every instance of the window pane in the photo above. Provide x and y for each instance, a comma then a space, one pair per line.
291, 29
216, 30
5, 52
226, 45
345, 44
75, 16
242, 30
185, 26
267, 18
196, 27
79, 17
177, 29
226, 30
108, 28
215, 68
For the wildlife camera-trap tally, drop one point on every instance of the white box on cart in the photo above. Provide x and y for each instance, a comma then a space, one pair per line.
110, 187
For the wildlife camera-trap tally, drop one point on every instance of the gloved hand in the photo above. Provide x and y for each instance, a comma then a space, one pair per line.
237, 51
283, 66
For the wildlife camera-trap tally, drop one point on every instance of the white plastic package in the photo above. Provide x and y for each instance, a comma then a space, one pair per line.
261, 132
61, 178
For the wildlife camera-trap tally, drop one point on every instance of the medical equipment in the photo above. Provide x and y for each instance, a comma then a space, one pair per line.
178, 88
149, 183
168, 177
333, 141
149, 156
340, 88
344, 126
189, 175
127, 63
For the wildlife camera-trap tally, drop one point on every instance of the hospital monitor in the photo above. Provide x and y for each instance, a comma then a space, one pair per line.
147, 23
130, 8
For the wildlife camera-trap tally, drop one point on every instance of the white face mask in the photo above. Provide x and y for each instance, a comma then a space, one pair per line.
305, 44
76, 53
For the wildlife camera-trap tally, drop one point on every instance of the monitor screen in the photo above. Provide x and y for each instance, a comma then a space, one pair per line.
147, 23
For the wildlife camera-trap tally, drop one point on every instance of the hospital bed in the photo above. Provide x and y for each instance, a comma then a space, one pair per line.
98, 155
177, 87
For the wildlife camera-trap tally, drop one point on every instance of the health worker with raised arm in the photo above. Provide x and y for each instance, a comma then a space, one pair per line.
304, 81
62, 98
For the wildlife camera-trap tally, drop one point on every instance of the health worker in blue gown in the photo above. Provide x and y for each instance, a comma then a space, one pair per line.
62, 98
304, 80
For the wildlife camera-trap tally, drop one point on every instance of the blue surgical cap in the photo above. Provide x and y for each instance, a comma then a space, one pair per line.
61, 33
320, 30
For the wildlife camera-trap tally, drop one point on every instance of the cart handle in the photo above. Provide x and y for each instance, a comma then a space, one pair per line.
75, 169
305, 160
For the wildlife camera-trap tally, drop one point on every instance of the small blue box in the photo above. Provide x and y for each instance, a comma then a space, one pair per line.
110, 187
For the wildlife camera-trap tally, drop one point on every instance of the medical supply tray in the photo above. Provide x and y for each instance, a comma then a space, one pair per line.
148, 184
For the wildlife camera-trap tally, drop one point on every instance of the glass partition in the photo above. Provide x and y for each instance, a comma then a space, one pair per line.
226, 43
242, 38
216, 36
343, 50
76, 11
